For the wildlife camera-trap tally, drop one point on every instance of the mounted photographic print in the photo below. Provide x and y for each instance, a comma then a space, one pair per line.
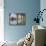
17, 18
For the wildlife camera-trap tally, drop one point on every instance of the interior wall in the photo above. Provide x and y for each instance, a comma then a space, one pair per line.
29, 7
43, 6
1, 20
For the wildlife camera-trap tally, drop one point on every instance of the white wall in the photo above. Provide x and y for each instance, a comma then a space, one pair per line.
1, 20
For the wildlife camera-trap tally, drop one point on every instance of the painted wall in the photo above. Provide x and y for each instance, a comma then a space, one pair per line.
30, 7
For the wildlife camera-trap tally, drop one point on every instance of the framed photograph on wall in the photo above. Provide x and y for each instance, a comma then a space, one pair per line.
17, 18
